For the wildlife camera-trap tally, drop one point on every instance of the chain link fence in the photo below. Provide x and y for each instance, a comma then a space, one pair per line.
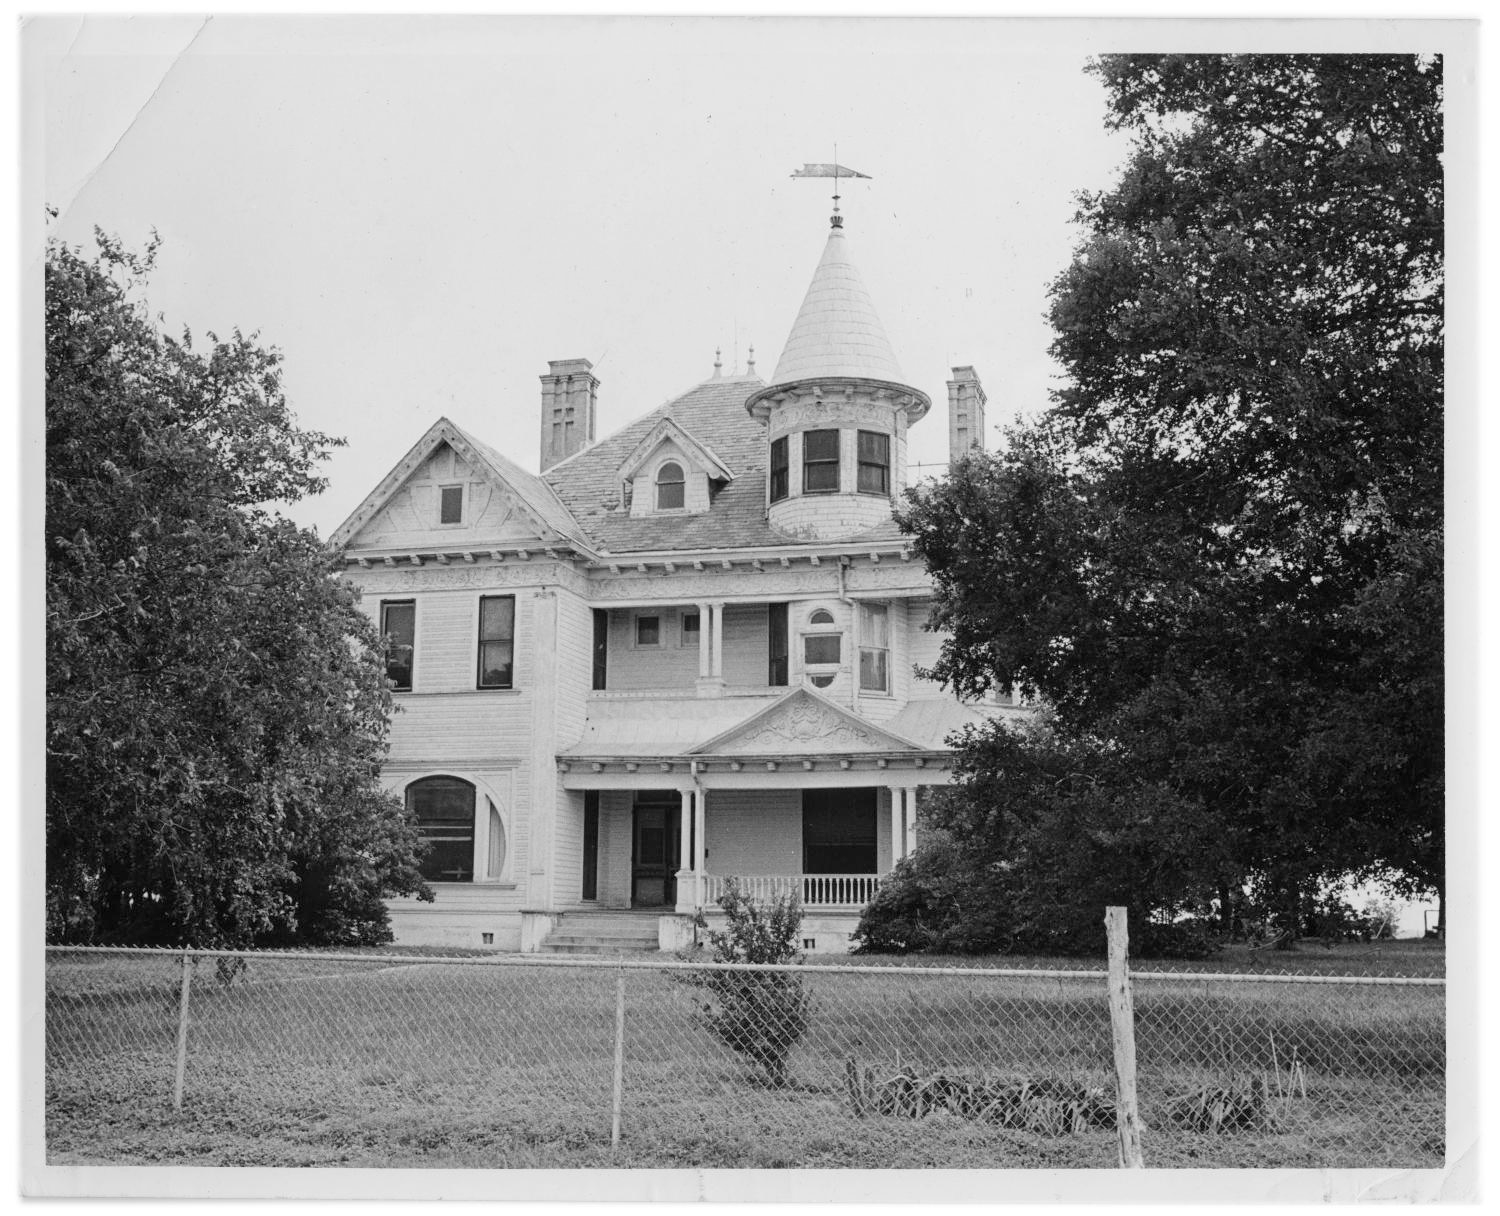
227, 1058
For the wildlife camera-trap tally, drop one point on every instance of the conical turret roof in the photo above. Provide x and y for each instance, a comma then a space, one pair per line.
837, 332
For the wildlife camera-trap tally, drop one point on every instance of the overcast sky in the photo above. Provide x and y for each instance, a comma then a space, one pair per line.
422, 213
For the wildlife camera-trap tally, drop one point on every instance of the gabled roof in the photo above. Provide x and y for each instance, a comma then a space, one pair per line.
666, 428
530, 494
837, 332
803, 724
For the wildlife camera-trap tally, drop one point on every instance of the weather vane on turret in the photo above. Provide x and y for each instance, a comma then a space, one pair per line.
835, 171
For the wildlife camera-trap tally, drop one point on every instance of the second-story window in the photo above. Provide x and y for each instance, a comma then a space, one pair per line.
451, 505
822, 648
497, 641
820, 462
874, 463
671, 486
398, 622
776, 645
780, 468
874, 648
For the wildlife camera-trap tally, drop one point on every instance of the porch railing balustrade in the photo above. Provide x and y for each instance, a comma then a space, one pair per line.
816, 890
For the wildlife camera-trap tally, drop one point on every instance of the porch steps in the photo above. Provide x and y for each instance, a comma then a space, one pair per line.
602, 934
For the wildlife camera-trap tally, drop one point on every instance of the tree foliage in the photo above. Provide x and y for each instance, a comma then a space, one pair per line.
1218, 555
216, 702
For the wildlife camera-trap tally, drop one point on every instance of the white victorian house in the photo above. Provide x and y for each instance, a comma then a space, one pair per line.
681, 653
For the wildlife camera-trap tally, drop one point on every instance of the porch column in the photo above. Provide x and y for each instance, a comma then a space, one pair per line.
898, 821
700, 848
710, 650
685, 893
705, 632
718, 641
911, 821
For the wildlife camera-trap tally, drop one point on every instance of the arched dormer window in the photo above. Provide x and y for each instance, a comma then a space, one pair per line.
671, 486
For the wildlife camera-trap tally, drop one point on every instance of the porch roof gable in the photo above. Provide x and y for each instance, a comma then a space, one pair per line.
803, 724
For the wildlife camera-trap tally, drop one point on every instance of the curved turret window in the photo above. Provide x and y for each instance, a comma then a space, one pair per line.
671, 486
820, 462
874, 463
780, 469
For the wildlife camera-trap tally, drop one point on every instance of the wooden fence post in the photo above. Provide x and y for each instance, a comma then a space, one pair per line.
182, 1030
614, 1131
1122, 1026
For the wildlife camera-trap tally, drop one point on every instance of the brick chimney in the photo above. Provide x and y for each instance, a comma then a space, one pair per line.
569, 396
965, 413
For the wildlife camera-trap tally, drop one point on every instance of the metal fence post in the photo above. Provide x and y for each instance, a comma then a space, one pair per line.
614, 1130
182, 1030
1122, 1027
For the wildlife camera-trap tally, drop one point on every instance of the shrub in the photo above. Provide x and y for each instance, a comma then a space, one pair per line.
759, 1014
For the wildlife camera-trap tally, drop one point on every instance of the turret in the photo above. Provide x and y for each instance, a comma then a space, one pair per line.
836, 410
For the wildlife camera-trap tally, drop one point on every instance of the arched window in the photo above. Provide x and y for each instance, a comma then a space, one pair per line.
671, 486
822, 648
444, 811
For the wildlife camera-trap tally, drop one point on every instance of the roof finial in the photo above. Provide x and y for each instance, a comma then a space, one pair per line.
718, 362
750, 362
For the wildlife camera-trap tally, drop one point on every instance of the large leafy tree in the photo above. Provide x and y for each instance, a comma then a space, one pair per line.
216, 702
1219, 554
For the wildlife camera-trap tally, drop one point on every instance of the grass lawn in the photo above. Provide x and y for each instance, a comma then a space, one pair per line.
396, 1060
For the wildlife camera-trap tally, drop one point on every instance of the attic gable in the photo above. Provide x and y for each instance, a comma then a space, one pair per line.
451, 490
669, 430
803, 724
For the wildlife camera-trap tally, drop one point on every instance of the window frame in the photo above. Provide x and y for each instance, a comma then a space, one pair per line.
861, 464
481, 642
822, 673
884, 689
657, 485
443, 492
434, 781
822, 462
635, 630
411, 665
780, 469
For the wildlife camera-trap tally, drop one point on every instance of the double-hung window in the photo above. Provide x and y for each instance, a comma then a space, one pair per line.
874, 648
497, 641
780, 468
874, 463
820, 462
398, 622
671, 487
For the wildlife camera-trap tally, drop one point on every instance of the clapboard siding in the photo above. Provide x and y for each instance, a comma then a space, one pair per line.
632, 667
754, 831
747, 647
926, 647
760, 831
567, 885
575, 642
616, 810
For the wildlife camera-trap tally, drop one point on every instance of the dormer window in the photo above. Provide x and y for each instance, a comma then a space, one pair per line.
671, 487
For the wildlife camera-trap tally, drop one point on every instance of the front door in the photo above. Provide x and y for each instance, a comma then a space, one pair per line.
656, 838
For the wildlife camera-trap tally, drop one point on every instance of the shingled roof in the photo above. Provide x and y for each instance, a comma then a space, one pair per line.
837, 332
